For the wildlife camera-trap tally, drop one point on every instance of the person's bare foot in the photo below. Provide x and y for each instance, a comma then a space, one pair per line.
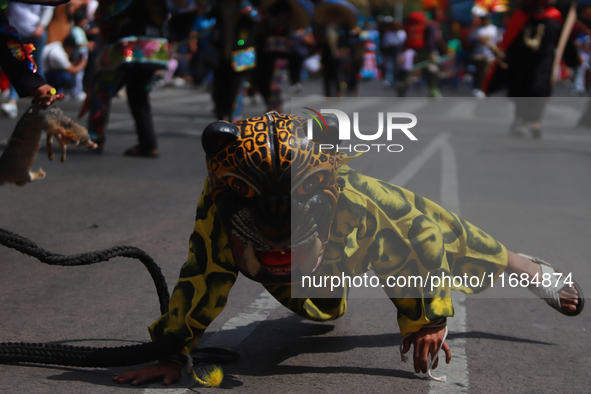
571, 302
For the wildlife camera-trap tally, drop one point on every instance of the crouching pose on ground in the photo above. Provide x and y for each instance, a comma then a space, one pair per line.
260, 170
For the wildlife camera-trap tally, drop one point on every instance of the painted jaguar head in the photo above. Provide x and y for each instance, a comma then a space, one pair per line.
276, 192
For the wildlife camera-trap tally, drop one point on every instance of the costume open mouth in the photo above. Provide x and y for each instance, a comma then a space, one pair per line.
277, 265
272, 253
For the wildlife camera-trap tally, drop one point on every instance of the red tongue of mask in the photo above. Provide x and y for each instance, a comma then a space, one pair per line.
280, 257
274, 257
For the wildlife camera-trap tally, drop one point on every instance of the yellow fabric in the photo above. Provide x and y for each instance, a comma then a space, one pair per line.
377, 227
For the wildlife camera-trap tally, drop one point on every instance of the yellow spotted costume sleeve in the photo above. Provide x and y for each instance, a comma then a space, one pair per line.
394, 232
377, 226
205, 280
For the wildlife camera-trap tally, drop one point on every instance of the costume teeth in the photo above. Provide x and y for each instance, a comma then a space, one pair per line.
309, 232
253, 265
243, 230
311, 261
237, 235
306, 241
280, 270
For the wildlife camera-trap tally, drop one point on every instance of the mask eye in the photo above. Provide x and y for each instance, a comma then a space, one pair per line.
310, 183
240, 187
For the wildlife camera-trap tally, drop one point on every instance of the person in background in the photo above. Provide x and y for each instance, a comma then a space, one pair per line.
59, 71
332, 51
179, 26
486, 37
93, 36
393, 39
529, 45
371, 65
357, 45
579, 87
457, 64
30, 20
405, 61
435, 46
204, 53
80, 19
303, 40
273, 52
233, 38
135, 25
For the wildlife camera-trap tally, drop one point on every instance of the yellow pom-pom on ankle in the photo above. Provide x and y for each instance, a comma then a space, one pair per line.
212, 378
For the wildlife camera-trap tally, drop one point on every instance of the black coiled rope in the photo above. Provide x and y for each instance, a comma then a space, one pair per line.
89, 357
28, 247
81, 356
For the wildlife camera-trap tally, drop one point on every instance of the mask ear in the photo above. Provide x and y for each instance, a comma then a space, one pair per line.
218, 135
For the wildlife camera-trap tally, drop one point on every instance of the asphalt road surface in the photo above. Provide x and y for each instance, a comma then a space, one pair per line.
532, 195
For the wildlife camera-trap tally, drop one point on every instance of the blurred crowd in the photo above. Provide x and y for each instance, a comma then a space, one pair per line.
90, 50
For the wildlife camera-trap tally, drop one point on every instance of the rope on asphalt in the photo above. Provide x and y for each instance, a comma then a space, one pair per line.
28, 247
78, 356
88, 357
92, 357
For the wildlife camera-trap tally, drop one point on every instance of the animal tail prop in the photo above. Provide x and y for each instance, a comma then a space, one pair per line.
91, 357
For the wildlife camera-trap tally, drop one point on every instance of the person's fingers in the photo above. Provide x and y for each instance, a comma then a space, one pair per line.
406, 345
417, 356
447, 351
136, 377
126, 377
433, 351
47, 100
171, 378
424, 356
147, 374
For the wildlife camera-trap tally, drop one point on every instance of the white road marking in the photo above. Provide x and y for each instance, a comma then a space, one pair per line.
449, 191
239, 327
457, 371
411, 169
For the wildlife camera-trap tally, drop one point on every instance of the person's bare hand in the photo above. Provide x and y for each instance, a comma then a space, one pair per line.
426, 341
168, 371
45, 95
39, 30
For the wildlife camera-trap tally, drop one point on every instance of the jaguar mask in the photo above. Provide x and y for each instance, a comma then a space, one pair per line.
275, 191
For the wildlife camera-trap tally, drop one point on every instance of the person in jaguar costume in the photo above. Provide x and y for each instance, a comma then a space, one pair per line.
262, 168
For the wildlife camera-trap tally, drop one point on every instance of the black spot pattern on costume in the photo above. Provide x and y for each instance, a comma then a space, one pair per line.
387, 253
427, 241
